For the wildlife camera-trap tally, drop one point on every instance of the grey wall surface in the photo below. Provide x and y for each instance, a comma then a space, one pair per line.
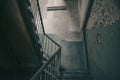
104, 52
103, 40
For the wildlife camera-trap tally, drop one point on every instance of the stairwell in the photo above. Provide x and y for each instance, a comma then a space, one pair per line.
62, 31
59, 52
62, 25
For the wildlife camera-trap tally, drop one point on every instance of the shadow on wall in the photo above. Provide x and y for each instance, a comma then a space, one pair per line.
72, 6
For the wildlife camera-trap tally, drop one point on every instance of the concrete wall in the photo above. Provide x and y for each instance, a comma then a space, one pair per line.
63, 23
103, 40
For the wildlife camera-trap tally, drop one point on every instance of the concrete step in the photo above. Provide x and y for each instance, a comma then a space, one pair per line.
74, 79
75, 76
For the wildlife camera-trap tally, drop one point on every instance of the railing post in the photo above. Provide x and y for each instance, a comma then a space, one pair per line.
59, 62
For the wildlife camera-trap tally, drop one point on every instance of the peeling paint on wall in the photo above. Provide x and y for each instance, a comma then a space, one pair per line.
104, 13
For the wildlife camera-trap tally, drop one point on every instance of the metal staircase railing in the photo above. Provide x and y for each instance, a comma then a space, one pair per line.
50, 70
51, 50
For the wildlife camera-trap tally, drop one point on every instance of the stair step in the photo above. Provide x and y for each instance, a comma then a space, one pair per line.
75, 76
80, 76
74, 79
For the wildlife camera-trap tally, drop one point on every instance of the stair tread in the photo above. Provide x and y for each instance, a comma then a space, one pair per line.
75, 75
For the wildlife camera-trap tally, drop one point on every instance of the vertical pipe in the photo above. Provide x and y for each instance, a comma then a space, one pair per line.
89, 7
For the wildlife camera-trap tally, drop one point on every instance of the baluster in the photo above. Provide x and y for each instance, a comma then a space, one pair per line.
58, 61
44, 42
51, 47
45, 78
51, 70
41, 77
55, 47
54, 66
48, 47
38, 77
48, 72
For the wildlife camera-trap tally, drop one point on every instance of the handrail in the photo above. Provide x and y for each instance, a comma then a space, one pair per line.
45, 65
51, 62
53, 41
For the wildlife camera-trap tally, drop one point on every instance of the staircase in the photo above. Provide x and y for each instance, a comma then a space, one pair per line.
54, 68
